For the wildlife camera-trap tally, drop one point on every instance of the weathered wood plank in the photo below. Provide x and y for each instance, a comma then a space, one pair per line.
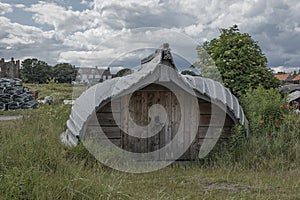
213, 120
138, 147
157, 128
154, 141
124, 122
204, 108
203, 132
112, 132
194, 121
108, 119
180, 110
113, 106
131, 140
138, 108
187, 125
144, 121
107, 132
176, 119
165, 134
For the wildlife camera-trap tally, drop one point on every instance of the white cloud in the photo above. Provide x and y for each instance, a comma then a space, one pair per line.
5, 8
130, 46
87, 58
77, 36
90, 38
285, 69
21, 6
194, 30
15, 34
19, 41
62, 19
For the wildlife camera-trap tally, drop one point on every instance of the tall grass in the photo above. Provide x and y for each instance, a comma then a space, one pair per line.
274, 141
34, 164
58, 91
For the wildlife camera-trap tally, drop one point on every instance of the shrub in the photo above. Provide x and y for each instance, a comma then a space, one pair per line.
265, 109
274, 141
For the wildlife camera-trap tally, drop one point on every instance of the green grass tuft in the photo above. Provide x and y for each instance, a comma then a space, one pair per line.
34, 164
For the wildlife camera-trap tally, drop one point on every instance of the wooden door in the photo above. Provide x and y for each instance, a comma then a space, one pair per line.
137, 106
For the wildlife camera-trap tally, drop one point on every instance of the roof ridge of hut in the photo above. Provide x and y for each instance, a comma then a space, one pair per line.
164, 54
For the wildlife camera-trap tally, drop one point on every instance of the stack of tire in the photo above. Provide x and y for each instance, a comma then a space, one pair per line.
14, 96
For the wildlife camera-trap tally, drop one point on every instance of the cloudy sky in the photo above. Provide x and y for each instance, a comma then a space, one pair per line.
101, 32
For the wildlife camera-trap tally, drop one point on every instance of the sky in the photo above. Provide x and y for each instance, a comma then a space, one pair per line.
88, 33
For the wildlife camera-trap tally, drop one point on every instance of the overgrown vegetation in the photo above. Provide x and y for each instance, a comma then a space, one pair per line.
237, 60
58, 91
34, 164
274, 143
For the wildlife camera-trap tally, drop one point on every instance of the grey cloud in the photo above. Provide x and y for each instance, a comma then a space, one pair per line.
135, 16
256, 9
77, 35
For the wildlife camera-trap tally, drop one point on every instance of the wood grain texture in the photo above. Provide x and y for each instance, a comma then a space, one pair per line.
139, 105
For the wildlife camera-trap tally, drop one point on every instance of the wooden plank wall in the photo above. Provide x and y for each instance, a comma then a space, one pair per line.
139, 105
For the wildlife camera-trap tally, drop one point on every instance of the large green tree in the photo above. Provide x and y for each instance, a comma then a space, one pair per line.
64, 73
238, 59
35, 71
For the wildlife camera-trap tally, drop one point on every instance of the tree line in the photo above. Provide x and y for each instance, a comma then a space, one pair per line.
38, 71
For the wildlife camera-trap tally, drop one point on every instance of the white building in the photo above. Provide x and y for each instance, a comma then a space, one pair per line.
91, 76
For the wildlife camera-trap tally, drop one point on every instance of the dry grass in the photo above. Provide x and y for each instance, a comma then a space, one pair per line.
35, 165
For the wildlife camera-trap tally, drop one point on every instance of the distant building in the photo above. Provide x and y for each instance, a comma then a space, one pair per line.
92, 76
296, 79
284, 78
292, 85
10, 69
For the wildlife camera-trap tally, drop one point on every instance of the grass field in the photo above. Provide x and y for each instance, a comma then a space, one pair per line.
58, 91
34, 164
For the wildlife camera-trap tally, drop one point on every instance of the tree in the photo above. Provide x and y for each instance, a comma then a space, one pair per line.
238, 59
35, 71
188, 72
64, 73
123, 72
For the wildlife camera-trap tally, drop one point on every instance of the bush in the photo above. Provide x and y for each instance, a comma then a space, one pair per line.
274, 141
265, 109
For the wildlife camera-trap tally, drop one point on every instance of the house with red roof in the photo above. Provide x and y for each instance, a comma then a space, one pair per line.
296, 79
284, 77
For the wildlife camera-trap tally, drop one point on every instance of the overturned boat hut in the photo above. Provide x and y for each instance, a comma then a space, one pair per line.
145, 111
